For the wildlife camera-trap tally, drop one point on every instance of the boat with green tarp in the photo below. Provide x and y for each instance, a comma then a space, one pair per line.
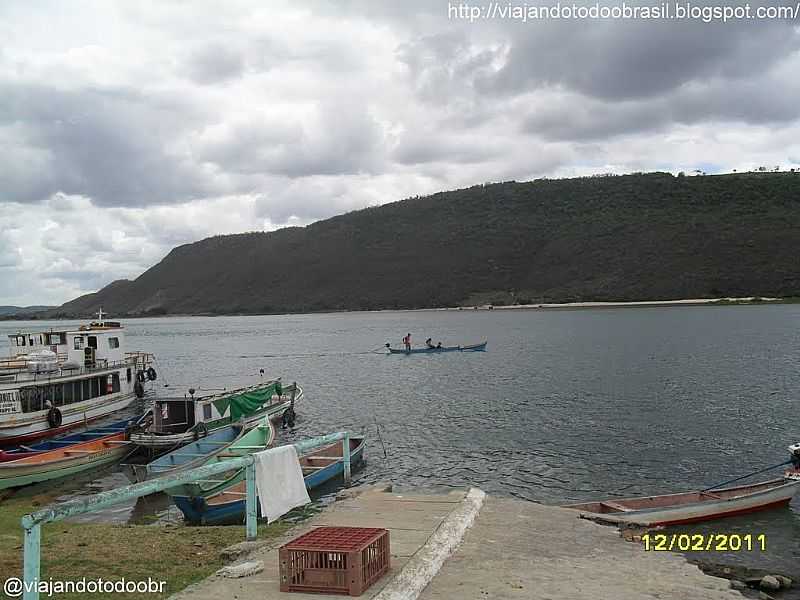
173, 422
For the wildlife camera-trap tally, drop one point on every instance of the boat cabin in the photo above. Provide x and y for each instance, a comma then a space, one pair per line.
177, 415
98, 344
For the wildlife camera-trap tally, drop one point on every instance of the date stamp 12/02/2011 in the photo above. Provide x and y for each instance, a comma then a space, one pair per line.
704, 542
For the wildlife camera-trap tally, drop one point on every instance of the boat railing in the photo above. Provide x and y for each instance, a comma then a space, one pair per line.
19, 374
32, 523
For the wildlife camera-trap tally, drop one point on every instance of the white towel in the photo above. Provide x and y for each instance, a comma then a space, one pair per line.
279, 481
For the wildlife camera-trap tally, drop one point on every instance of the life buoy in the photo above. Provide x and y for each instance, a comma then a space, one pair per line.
200, 431
151, 374
138, 389
141, 377
54, 417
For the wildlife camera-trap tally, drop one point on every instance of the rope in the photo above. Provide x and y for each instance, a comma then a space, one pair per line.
719, 485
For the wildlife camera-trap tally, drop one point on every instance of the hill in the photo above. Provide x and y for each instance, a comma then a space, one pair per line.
611, 238
12, 311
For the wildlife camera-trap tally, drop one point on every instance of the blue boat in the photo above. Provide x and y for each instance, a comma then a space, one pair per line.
227, 507
189, 456
470, 348
66, 441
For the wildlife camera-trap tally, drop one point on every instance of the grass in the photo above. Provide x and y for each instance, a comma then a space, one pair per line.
177, 554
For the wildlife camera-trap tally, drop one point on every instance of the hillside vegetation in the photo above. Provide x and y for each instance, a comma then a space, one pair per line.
616, 238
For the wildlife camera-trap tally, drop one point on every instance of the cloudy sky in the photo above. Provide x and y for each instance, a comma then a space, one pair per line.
127, 128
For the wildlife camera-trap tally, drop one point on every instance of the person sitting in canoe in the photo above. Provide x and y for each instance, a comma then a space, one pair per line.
429, 343
439, 345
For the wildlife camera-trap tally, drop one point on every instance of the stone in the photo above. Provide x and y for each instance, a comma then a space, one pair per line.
786, 582
242, 569
764, 596
738, 585
239, 550
768, 582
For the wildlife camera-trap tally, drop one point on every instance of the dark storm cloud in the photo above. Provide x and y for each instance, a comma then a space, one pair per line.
573, 117
108, 144
619, 60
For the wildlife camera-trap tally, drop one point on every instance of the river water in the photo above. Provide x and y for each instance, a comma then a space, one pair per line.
564, 405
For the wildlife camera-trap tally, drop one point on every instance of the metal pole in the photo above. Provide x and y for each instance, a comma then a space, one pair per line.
251, 506
33, 536
346, 456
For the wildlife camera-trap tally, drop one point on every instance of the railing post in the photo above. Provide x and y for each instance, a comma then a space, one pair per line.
346, 456
251, 503
33, 536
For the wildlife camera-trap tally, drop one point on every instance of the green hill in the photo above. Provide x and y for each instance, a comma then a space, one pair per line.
615, 238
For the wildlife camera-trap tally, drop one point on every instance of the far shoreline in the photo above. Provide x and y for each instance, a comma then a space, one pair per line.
727, 301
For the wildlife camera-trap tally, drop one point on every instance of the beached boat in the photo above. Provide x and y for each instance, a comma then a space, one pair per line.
469, 348
257, 439
66, 441
62, 462
696, 506
187, 457
61, 379
177, 421
227, 506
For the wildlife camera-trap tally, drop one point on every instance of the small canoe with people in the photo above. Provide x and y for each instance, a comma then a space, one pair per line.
319, 466
700, 505
480, 347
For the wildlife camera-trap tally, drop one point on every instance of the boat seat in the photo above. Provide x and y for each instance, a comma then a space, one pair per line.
614, 506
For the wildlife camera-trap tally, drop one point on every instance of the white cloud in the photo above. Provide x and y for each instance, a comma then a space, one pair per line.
129, 128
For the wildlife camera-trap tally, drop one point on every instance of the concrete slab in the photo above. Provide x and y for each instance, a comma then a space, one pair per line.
411, 521
522, 550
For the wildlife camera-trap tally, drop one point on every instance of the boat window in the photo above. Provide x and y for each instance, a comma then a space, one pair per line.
113, 342
128, 374
86, 392
206, 412
115, 382
31, 399
78, 342
55, 339
92, 343
69, 397
58, 395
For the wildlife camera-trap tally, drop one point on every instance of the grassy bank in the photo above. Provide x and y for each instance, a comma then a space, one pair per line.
176, 554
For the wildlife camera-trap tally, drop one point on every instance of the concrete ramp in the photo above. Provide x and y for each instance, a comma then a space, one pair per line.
522, 550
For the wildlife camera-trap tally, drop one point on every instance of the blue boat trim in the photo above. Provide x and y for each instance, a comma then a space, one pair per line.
198, 511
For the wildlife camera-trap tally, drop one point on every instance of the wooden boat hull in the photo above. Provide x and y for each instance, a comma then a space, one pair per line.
187, 457
162, 442
205, 511
60, 463
470, 348
692, 507
33, 426
257, 439
63, 442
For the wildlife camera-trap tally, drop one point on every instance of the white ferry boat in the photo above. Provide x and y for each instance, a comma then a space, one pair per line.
59, 379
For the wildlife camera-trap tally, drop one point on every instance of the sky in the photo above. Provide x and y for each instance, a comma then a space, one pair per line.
128, 128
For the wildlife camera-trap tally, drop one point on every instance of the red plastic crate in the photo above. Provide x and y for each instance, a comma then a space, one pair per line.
335, 560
